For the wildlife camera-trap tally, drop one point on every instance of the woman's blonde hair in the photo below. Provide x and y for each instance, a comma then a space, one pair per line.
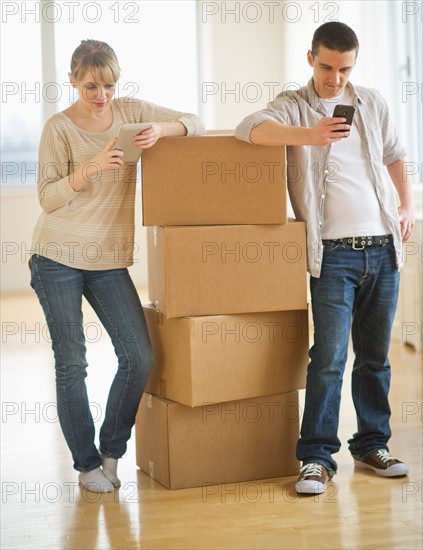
95, 57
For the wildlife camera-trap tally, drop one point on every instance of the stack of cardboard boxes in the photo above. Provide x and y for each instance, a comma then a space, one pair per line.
228, 316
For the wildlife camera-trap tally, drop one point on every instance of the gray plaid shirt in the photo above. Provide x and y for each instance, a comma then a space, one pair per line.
307, 166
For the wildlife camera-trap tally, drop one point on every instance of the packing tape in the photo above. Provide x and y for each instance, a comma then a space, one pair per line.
149, 401
159, 315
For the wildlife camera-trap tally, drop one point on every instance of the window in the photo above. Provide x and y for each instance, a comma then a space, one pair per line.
21, 97
408, 45
156, 44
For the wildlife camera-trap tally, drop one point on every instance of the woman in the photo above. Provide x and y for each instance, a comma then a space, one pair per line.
82, 246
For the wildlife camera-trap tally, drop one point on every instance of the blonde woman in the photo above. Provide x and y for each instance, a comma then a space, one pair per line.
82, 246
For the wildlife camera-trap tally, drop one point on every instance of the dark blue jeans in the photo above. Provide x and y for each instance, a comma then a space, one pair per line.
357, 291
113, 297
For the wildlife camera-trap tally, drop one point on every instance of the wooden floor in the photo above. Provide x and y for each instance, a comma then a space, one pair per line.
43, 507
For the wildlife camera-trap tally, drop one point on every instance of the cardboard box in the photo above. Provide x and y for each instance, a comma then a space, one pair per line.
227, 357
213, 180
226, 132
244, 440
216, 270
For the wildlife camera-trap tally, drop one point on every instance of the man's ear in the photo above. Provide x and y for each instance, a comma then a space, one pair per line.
310, 58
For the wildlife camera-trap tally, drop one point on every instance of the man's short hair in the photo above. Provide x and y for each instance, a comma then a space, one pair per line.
334, 36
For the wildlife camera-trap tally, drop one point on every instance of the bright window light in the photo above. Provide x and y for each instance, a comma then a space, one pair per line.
155, 42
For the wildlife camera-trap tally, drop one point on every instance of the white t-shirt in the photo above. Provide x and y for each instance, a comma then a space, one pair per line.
351, 207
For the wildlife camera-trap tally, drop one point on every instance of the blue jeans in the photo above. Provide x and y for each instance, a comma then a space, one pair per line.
358, 288
113, 297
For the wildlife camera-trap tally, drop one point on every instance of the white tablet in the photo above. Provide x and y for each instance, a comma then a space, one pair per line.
126, 135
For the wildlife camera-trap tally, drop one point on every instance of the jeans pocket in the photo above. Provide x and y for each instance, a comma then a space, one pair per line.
330, 247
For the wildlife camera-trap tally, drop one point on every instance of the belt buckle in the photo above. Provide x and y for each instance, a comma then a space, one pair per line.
355, 247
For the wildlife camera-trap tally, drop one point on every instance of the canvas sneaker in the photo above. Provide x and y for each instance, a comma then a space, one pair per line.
382, 463
313, 478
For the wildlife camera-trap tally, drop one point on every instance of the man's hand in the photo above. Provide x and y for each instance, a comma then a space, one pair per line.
325, 131
270, 132
406, 211
407, 220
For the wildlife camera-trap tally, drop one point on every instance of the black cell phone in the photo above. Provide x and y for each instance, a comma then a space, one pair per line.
345, 111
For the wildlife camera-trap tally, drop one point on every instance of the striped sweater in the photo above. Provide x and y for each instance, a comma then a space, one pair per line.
91, 229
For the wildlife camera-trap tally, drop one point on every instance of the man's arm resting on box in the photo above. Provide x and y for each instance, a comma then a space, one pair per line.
271, 132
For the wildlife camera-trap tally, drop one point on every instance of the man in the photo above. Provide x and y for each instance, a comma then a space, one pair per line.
340, 187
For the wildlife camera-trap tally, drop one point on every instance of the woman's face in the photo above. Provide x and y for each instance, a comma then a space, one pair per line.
93, 95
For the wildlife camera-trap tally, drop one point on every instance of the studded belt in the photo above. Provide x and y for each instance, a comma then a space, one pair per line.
359, 243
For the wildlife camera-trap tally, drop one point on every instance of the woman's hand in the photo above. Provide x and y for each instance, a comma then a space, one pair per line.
158, 130
149, 137
107, 159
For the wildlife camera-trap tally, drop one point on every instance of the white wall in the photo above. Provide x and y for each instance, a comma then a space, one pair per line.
254, 52
229, 53
250, 51
369, 20
239, 60
19, 213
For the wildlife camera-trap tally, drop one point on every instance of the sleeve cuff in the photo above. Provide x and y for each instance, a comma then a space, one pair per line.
194, 127
397, 155
243, 130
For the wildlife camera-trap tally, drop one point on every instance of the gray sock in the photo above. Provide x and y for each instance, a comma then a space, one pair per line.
110, 469
96, 481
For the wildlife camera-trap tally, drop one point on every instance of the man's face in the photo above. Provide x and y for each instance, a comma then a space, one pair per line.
331, 70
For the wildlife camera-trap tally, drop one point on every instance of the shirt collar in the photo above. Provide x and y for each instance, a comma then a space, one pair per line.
314, 99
